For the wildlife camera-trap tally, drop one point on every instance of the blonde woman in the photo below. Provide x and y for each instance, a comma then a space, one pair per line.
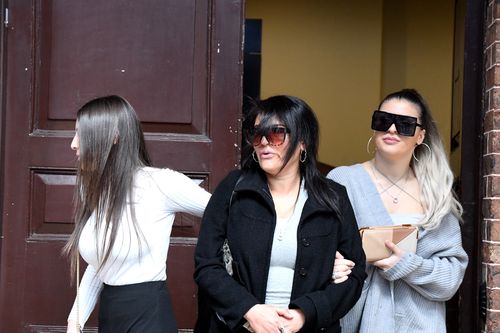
408, 181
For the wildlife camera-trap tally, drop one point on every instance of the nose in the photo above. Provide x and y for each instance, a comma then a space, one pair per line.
392, 129
74, 143
264, 141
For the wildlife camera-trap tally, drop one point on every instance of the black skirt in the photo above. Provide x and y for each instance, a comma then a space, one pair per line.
136, 308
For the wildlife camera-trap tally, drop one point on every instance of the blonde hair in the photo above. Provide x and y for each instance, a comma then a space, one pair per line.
431, 167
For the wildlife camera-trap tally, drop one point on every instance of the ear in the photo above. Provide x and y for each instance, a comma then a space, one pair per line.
421, 137
302, 146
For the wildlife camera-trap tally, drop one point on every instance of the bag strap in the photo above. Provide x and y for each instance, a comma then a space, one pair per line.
240, 178
226, 251
79, 329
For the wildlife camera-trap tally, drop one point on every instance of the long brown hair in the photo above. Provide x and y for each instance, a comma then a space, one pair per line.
112, 149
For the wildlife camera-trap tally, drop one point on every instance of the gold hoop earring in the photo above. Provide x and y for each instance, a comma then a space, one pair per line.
254, 156
425, 145
368, 146
303, 157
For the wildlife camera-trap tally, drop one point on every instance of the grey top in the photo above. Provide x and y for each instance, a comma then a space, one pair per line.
283, 254
410, 296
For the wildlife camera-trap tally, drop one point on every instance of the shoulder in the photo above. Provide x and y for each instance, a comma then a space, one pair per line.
168, 181
335, 186
349, 176
342, 172
448, 225
339, 191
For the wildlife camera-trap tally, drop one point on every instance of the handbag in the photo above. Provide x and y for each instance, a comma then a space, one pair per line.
405, 236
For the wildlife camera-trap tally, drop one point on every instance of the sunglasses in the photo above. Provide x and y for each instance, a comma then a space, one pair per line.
275, 135
405, 125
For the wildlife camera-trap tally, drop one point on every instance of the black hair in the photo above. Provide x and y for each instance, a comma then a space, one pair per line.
300, 119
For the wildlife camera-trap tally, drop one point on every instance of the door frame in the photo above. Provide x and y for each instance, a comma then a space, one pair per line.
471, 164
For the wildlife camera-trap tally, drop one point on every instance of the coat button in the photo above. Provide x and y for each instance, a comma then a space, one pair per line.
322, 329
305, 242
302, 272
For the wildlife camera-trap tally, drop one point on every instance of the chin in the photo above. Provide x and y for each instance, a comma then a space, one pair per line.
270, 171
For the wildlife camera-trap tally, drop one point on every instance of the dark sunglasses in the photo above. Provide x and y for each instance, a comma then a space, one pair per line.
405, 125
275, 135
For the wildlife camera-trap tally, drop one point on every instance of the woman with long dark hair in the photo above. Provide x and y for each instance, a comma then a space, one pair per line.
124, 215
283, 223
408, 181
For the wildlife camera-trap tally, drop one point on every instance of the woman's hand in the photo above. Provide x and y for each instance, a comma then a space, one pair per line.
72, 327
389, 262
341, 269
264, 318
295, 323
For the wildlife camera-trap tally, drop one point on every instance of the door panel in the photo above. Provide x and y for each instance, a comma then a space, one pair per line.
177, 61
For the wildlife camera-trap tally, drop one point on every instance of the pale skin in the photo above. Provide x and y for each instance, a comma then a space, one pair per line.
75, 143
392, 159
393, 154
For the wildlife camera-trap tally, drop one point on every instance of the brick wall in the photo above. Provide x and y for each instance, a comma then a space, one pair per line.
491, 167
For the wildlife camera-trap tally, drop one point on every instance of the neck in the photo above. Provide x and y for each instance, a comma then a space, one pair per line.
284, 184
393, 169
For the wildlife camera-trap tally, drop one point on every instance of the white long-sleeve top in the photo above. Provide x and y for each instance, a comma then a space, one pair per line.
158, 194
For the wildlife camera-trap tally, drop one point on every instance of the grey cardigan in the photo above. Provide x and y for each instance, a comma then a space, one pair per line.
409, 297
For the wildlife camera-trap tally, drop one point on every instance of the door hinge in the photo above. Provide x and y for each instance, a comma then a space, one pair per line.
6, 18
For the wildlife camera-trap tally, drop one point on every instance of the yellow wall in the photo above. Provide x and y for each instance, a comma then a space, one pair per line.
418, 53
343, 56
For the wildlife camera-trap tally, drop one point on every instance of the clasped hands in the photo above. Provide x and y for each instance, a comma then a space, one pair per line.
265, 318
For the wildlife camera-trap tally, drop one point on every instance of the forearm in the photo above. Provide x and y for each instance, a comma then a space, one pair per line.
436, 278
90, 288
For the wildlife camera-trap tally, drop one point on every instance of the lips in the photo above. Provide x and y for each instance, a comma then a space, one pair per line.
266, 154
390, 140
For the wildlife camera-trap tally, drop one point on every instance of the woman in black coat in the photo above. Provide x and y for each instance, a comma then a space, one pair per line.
283, 222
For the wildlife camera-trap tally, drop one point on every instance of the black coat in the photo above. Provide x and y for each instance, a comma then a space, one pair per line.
224, 299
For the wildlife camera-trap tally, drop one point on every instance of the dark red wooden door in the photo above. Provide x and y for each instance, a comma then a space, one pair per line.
178, 63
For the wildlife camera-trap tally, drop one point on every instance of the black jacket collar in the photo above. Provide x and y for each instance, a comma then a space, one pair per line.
256, 181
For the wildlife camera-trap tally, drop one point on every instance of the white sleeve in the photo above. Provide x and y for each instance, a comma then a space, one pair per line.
182, 193
90, 288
